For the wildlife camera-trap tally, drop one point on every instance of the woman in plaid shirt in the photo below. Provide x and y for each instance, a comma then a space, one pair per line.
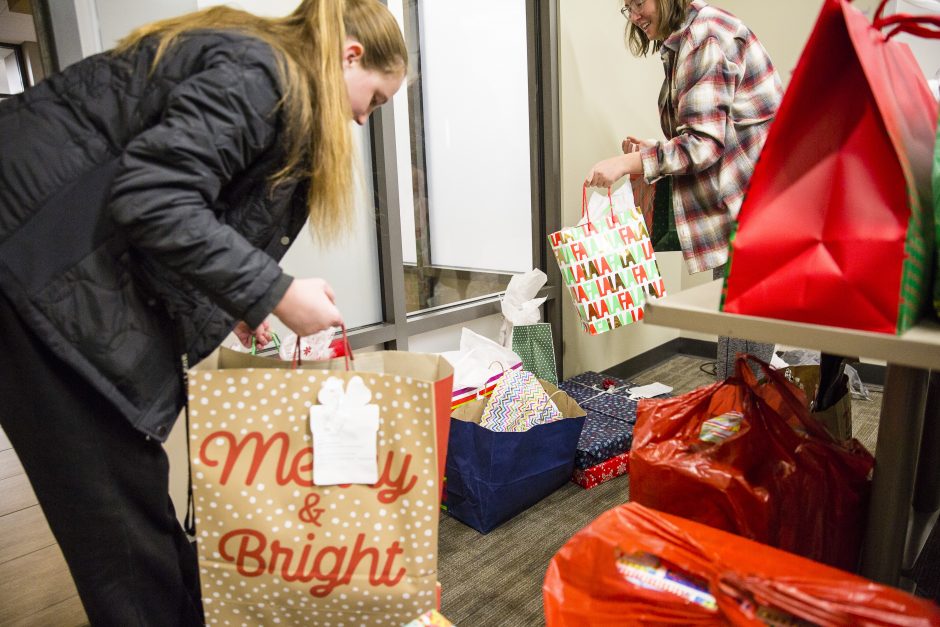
719, 95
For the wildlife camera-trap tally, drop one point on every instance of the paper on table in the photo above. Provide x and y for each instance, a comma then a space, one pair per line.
649, 391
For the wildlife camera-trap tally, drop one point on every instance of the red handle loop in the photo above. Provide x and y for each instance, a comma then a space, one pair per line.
350, 359
347, 350
919, 25
584, 211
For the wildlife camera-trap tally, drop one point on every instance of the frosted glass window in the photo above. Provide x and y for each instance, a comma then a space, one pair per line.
466, 199
475, 84
12, 71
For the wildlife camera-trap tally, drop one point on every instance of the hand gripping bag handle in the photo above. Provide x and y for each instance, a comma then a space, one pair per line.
350, 359
584, 210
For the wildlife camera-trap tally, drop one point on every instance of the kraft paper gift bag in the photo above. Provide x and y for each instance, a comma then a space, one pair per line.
837, 224
608, 264
275, 549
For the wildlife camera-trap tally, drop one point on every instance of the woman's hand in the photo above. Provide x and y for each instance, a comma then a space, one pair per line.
307, 307
607, 172
244, 333
632, 144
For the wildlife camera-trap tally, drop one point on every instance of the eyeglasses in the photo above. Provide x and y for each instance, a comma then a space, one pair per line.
633, 6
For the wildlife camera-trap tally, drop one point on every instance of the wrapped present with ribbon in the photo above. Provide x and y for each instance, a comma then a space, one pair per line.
602, 438
599, 381
591, 477
580, 393
613, 405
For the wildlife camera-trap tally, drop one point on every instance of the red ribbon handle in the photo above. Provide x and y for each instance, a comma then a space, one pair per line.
350, 359
918, 25
584, 210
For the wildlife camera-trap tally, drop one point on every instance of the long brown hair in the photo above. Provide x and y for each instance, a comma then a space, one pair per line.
308, 44
671, 15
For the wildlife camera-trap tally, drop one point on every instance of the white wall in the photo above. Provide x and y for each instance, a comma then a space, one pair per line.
117, 18
606, 94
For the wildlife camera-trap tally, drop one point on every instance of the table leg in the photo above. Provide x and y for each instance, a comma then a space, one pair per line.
926, 501
899, 436
927, 490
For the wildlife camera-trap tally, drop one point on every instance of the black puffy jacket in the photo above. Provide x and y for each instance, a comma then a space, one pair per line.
137, 222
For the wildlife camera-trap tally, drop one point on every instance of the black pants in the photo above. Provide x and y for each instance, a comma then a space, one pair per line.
102, 486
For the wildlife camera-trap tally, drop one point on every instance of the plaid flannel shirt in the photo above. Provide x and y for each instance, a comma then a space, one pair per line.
720, 94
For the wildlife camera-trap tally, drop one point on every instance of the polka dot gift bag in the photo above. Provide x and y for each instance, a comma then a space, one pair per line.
317, 489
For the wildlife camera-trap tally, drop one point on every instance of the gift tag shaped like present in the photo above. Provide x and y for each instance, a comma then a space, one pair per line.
345, 430
518, 403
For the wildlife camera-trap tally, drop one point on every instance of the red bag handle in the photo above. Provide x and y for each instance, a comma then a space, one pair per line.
780, 382
584, 211
297, 360
919, 25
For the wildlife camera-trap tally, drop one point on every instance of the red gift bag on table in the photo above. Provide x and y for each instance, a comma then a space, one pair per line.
836, 227
634, 565
749, 459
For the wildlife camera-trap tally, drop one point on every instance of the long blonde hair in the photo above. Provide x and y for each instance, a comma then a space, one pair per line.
308, 44
671, 15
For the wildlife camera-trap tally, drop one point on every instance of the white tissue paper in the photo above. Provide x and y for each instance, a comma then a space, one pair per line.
599, 205
519, 304
478, 359
314, 347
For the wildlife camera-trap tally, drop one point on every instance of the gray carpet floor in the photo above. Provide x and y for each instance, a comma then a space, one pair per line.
496, 579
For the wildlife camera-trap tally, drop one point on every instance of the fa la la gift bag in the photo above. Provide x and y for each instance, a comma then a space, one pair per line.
274, 548
837, 224
608, 264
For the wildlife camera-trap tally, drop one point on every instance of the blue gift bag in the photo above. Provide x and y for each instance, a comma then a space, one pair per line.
492, 476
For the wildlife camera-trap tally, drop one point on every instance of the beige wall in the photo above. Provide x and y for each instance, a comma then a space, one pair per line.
606, 94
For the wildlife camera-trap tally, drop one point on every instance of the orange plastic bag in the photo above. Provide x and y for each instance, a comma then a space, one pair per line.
748, 458
715, 579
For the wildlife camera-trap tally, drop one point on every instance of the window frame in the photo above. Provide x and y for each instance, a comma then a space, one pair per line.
544, 133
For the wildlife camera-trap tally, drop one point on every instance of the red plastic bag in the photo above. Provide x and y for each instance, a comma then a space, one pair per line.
778, 477
836, 226
715, 579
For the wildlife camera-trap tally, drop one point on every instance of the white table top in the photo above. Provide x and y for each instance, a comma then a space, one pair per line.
696, 309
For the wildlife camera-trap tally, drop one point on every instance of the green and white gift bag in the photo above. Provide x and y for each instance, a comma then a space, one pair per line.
607, 263
522, 331
533, 343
